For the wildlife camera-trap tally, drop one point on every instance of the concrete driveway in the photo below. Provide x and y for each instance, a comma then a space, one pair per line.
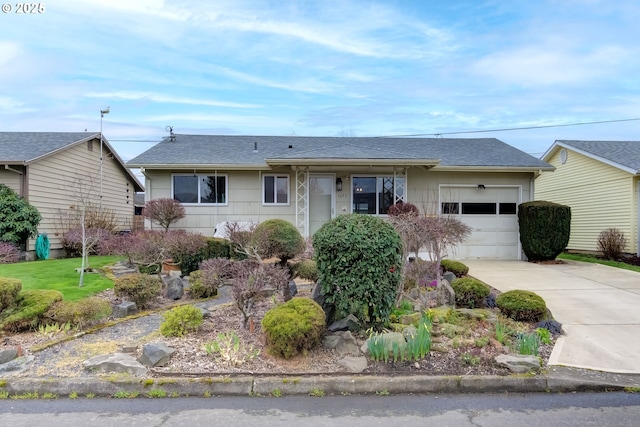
598, 306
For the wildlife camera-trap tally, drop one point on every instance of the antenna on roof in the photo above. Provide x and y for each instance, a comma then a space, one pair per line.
172, 136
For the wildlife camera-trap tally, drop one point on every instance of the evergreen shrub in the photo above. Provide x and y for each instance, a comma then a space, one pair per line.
79, 313
29, 311
306, 269
523, 306
359, 259
470, 292
456, 267
139, 288
294, 327
181, 320
545, 228
9, 290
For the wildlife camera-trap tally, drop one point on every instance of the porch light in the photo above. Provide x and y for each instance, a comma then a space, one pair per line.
338, 184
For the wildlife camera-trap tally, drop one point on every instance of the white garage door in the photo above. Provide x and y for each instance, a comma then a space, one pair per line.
491, 212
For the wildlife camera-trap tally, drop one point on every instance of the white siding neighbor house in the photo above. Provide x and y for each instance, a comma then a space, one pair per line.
309, 180
600, 181
46, 168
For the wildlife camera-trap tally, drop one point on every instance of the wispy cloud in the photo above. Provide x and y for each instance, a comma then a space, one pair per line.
145, 96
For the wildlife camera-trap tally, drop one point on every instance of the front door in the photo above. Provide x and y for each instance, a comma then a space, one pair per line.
321, 201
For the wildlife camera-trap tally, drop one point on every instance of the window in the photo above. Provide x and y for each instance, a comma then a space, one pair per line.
200, 189
375, 195
275, 190
450, 208
478, 208
508, 209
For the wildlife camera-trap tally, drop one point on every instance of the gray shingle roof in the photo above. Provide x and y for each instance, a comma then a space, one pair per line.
624, 153
222, 150
28, 146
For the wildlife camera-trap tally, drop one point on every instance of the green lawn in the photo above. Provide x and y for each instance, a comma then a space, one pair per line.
61, 275
595, 260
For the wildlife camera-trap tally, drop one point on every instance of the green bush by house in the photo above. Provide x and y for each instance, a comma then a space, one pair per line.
359, 260
545, 228
181, 320
456, 267
29, 311
9, 290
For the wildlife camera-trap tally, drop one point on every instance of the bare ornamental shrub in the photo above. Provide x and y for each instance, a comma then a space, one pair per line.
611, 243
93, 238
254, 281
213, 274
164, 212
9, 253
403, 209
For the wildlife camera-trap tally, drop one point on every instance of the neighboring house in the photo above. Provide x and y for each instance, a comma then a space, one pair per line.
309, 180
600, 181
49, 169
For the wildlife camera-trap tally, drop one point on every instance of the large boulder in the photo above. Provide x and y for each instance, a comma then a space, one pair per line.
116, 362
156, 354
174, 287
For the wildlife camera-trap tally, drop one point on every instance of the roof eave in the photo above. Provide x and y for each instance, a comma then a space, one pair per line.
198, 166
352, 162
494, 168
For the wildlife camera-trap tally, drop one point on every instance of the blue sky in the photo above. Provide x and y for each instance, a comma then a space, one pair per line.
323, 68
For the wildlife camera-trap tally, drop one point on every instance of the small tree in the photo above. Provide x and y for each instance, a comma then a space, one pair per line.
164, 211
611, 243
18, 219
281, 239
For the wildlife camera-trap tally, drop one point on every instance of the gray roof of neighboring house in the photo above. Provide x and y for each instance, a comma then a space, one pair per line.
25, 147
201, 150
28, 147
623, 153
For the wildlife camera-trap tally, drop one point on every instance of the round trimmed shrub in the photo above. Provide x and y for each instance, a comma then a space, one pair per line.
456, 267
278, 238
359, 260
470, 292
294, 327
200, 287
181, 320
9, 290
524, 306
139, 288
306, 269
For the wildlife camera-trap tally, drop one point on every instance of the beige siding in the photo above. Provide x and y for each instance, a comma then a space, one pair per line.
55, 183
12, 179
600, 196
245, 201
245, 194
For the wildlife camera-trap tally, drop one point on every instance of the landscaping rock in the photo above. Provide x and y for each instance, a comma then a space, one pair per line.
353, 364
16, 365
8, 355
293, 289
449, 276
349, 323
124, 309
519, 363
389, 338
410, 319
409, 331
156, 354
478, 314
316, 295
446, 294
175, 287
116, 362
342, 342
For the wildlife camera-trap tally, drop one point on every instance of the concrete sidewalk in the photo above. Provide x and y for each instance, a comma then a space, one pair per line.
598, 306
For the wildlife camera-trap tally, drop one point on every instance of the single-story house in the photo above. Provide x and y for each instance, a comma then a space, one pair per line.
51, 169
593, 177
309, 180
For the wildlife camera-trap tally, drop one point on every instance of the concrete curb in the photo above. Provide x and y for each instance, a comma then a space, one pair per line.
558, 379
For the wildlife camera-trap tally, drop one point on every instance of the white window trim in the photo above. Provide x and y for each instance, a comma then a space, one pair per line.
275, 198
226, 188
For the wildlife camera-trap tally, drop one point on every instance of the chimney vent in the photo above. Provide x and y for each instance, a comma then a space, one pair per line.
255, 147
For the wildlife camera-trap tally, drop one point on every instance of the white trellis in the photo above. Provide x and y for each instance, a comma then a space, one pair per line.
302, 200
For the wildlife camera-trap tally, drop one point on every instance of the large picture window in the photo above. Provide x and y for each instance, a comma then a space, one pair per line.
374, 195
200, 189
275, 190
